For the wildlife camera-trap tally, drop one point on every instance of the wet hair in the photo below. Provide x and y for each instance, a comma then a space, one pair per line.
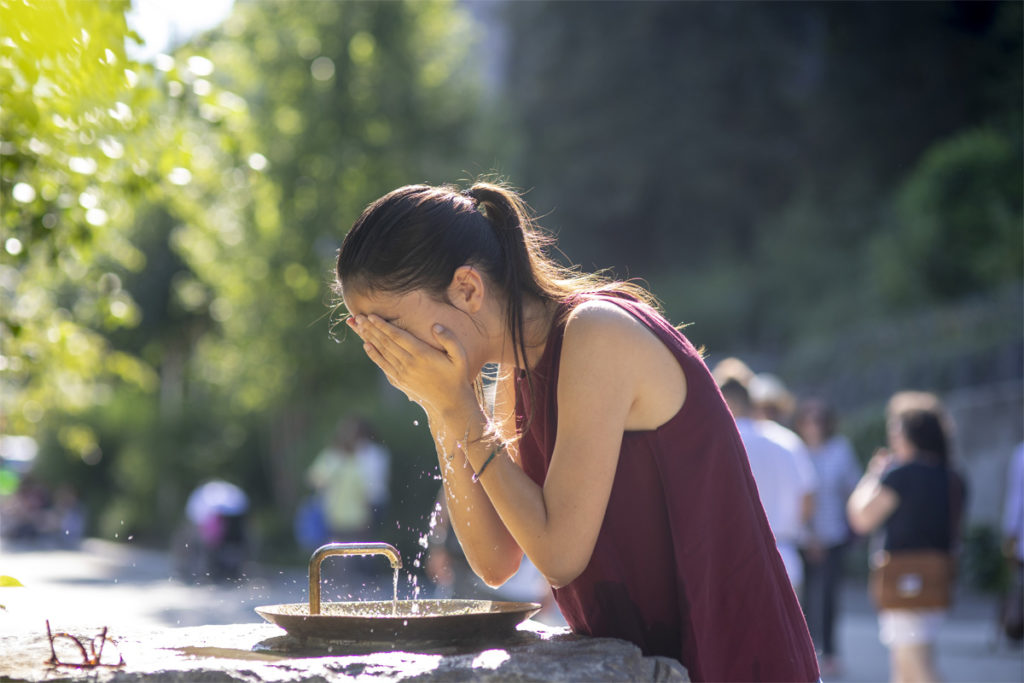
416, 237
923, 421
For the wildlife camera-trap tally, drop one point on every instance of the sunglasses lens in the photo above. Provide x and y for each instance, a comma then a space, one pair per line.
68, 651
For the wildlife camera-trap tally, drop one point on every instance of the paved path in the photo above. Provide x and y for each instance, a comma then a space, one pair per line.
128, 588
969, 647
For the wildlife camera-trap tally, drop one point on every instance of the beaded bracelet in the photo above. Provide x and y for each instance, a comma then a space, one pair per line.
476, 475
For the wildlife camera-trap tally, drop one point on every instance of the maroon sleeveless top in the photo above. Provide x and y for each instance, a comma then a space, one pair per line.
685, 563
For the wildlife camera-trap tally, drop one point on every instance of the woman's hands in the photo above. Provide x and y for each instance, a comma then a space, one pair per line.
434, 375
880, 462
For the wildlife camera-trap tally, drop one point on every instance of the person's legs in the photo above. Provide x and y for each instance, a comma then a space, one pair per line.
810, 596
913, 663
909, 635
831, 576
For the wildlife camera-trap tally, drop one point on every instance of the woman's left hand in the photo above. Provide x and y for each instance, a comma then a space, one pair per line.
435, 377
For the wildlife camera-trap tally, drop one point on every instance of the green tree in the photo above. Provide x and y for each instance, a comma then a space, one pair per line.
254, 148
101, 154
73, 110
957, 225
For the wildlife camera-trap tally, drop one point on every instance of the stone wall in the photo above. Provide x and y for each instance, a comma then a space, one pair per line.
261, 652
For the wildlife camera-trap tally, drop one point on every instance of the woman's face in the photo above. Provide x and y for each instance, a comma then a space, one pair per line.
416, 312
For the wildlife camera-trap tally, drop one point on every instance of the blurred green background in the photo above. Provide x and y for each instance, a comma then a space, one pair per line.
830, 190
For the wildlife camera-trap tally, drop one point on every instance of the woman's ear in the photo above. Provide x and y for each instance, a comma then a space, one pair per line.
466, 291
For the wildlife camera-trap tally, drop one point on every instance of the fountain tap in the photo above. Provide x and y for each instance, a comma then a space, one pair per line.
325, 551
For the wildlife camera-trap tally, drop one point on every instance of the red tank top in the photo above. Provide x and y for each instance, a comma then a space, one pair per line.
685, 564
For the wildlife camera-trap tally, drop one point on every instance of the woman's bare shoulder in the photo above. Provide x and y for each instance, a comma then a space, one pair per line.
601, 321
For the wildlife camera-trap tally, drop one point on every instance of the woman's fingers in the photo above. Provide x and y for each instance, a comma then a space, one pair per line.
382, 329
450, 344
392, 343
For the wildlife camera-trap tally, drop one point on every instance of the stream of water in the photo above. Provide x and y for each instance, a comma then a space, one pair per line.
394, 595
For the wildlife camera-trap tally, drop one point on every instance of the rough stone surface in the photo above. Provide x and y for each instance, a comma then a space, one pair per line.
261, 652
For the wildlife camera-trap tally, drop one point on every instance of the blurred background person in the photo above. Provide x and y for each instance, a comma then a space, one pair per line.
1013, 547
828, 533
911, 493
772, 400
213, 542
339, 480
773, 407
375, 462
785, 479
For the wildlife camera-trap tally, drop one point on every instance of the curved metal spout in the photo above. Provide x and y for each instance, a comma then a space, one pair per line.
325, 551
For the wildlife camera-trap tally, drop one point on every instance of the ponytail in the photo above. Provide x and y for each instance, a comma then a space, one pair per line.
510, 220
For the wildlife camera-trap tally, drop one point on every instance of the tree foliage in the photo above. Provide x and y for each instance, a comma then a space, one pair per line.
226, 174
74, 119
743, 157
957, 225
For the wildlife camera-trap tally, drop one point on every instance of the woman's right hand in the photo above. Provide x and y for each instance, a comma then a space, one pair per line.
432, 375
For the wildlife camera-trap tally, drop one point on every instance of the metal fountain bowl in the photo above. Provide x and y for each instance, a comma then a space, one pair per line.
386, 620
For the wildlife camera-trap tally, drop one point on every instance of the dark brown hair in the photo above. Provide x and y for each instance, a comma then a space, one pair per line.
415, 237
924, 422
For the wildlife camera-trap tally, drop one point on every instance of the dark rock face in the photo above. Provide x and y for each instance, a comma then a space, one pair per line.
260, 652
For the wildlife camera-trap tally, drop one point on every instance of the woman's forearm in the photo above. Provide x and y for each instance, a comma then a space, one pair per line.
865, 491
871, 503
503, 513
489, 547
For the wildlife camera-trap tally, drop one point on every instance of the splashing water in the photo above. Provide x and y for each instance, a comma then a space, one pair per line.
394, 594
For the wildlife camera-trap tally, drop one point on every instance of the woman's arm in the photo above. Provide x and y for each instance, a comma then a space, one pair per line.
871, 503
608, 363
557, 524
461, 434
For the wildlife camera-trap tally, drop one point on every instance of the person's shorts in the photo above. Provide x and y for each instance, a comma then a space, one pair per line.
909, 626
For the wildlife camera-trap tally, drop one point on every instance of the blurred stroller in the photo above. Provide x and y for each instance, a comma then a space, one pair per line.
212, 542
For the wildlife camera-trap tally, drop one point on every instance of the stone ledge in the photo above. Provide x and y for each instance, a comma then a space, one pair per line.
261, 652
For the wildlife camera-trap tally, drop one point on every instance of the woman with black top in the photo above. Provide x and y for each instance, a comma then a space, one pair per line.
910, 492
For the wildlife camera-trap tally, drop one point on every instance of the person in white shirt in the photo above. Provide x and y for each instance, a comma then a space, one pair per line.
785, 480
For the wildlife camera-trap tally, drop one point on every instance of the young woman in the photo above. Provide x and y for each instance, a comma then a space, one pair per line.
910, 492
610, 458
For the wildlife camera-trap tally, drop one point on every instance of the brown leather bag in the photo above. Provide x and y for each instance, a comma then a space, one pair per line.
912, 579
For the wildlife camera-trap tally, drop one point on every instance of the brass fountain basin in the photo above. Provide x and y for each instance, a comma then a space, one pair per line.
390, 621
